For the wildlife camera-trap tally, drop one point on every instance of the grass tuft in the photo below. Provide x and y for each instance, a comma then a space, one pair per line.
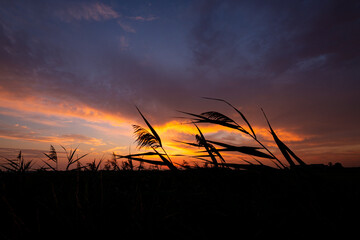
18, 164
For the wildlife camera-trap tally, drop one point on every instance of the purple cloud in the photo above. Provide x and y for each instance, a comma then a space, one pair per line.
89, 12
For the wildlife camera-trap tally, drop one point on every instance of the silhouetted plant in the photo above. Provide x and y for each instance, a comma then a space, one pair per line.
214, 117
127, 165
113, 164
149, 139
52, 157
107, 166
285, 150
18, 164
70, 156
211, 151
93, 166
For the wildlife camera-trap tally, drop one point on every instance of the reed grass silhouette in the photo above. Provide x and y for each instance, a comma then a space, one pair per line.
149, 139
18, 164
217, 118
52, 157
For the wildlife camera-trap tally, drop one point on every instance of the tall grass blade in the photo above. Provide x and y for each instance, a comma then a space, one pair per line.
13, 166
72, 153
78, 158
92, 166
204, 119
248, 166
301, 162
168, 162
165, 161
285, 150
142, 160
70, 157
276, 164
243, 149
188, 143
9, 168
211, 147
51, 167
18, 164
13, 163
216, 151
137, 154
258, 161
27, 165
202, 141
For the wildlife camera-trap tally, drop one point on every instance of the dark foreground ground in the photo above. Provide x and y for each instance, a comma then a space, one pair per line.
194, 204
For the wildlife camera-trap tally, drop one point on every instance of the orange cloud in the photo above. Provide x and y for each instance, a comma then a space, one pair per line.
46, 106
176, 128
63, 139
284, 135
179, 127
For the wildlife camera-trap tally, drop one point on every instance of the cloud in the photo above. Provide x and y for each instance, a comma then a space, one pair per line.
18, 132
229, 36
33, 117
126, 27
143, 19
45, 106
88, 12
99, 12
309, 63
124, 44
278, 53
78, 138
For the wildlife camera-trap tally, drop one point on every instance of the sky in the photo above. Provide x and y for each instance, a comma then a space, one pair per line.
73, 72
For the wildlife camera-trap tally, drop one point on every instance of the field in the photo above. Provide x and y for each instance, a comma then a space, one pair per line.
195, 203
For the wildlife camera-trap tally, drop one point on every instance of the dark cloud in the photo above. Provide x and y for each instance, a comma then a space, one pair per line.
302, 57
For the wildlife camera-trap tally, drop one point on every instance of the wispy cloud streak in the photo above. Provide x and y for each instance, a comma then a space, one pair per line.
17, 132
88, 12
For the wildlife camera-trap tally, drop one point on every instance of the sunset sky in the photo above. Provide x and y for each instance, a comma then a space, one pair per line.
72, 72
